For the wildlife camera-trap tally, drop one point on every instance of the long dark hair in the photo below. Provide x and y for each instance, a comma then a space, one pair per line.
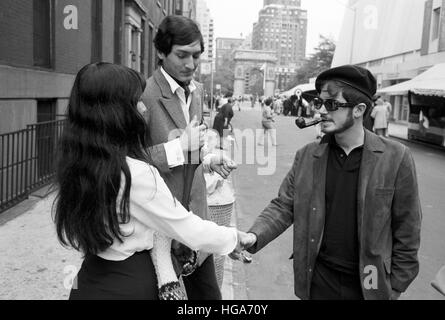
103, 127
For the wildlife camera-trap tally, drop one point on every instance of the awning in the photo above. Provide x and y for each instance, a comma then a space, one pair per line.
429, 83
303, 87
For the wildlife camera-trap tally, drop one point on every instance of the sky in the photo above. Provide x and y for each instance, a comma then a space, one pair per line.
235, 17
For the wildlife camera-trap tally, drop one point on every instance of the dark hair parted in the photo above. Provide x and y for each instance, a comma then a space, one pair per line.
103, 127
177, 30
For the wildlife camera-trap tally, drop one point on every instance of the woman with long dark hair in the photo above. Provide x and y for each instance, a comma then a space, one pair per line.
111, 201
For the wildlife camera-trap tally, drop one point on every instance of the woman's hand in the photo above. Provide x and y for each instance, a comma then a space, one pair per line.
222, 165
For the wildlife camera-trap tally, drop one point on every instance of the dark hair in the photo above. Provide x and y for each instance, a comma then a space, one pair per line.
177, 30
103, 127
268, 101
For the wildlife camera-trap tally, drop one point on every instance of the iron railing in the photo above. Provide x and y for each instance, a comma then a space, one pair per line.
27, 161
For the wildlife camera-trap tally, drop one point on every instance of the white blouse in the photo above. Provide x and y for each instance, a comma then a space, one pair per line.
152, 207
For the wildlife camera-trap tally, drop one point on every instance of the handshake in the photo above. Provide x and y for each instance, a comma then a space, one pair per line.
245, 241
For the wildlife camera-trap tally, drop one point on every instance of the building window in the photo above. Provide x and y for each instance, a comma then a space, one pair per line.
118, 31
143, 55
96, 31
435, 24
42, 32
151, 58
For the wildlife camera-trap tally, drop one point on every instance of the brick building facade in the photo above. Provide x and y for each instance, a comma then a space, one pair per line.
43, 44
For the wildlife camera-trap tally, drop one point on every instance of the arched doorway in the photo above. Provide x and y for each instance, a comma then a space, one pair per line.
256, 83
254, 72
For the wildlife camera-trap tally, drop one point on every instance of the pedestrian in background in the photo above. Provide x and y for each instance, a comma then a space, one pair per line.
221, 123
111, 201
237, 103
268, 124
389, 108
278, 105
380, 115
352, 199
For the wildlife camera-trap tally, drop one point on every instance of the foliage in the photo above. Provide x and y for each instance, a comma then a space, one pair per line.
318, 62
224, 76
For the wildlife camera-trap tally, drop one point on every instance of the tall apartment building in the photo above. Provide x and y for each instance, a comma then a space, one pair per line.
44, 43
282, 27
225, 48
205, 21
186, 8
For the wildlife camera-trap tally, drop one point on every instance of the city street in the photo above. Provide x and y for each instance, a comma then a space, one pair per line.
35, 266
270, 275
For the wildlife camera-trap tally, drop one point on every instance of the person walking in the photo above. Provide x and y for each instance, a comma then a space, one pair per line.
353, 201
267, 123
174, 104
380, 115
388, 106
222, 121
112, 202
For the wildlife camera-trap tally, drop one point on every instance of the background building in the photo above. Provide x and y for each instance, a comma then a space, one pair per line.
296, 3
397, 40
205, 22
186, 8
225, 49
44, 43
282, 27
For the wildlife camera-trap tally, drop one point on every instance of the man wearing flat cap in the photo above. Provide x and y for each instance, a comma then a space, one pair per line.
352, 200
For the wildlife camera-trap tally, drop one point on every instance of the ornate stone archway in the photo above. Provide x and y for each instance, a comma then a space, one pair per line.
248, 60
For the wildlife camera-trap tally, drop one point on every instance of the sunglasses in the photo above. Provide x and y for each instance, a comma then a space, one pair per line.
331, 105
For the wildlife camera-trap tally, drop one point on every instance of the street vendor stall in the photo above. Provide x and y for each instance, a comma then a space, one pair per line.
308, 91
426, 95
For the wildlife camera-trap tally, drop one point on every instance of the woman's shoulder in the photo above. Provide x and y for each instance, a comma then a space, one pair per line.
139, 167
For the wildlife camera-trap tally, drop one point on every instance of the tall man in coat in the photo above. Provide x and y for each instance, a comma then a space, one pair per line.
174, 110
352, 200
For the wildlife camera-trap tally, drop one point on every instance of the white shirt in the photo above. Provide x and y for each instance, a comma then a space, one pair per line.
173, 150
152, 207
180, 93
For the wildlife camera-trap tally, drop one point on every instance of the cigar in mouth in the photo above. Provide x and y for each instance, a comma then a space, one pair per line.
302, 124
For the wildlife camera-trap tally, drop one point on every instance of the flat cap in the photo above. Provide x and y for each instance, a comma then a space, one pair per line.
356, 77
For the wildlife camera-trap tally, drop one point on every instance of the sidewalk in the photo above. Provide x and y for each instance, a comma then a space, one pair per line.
35, 266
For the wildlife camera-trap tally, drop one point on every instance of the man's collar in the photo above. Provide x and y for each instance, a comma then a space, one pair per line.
372, 142
174, 85
330, 140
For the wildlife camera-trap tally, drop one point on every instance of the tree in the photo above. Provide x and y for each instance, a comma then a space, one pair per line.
225, 76
318, 62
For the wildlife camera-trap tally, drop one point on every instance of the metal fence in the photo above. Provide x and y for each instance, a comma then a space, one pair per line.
27, 161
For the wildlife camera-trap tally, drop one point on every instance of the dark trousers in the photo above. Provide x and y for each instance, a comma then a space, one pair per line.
131, 279
202, 284
330, 284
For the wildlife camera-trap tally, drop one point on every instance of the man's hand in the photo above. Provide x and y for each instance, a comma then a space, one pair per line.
245, 241
193, 138
222, 165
